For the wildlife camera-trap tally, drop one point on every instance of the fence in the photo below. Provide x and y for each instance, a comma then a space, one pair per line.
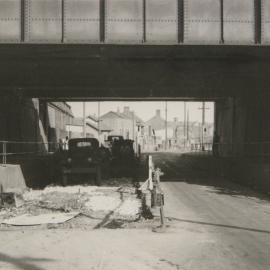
248, 149
205, 148
10, 150
14, 149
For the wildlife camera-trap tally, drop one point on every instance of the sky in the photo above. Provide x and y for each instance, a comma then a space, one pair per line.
147, 109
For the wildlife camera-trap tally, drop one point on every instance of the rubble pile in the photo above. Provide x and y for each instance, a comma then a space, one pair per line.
103, 204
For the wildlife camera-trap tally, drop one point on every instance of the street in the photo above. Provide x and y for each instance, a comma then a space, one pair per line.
212, 223
134, 135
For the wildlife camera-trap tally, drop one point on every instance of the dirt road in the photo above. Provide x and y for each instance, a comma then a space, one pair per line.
213, 224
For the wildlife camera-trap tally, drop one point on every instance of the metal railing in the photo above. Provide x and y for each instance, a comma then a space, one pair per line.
201, 147
4, 152
13, 149
247, 149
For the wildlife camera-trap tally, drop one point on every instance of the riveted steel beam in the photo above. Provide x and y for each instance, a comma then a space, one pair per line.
144, 21
102, 20
181, 21
258, 21
221, 22
22, 20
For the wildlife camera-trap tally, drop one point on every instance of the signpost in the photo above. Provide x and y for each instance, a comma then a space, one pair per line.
152, 187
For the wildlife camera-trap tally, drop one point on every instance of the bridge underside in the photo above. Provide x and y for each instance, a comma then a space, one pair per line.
134, 72
236, 77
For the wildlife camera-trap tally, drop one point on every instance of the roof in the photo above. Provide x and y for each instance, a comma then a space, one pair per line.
62, 106
92, 117
78, 121
129, 116
112, 114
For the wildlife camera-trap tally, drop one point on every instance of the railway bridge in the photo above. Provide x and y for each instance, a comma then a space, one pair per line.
205, 50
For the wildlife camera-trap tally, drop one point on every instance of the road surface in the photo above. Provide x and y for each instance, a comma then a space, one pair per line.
212, 224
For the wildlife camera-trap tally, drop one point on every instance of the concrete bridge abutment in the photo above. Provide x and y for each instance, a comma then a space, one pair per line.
242, 124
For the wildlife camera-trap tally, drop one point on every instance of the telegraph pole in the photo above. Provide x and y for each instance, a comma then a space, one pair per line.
203, 123
133, 128
84, 121
185, 108
166, 125
99, 123
188, 125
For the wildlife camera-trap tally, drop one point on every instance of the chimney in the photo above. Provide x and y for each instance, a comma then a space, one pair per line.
158, 113
126, 110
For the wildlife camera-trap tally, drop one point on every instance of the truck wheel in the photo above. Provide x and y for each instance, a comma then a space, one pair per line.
64, 180
98, 177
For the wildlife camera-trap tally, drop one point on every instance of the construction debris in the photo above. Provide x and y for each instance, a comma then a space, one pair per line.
30, 220
57, 204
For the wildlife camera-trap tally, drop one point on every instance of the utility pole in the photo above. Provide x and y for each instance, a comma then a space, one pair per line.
166, 125
203, 123
188, 125
84, 121
185, 124
133, 128
99, 123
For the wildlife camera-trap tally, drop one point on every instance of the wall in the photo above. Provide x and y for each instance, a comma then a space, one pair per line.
59, 115
20, 122
244, 129
26, 120
120, 126
243, 126
224, 125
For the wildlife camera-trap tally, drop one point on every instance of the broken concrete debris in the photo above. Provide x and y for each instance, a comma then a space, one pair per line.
55, 205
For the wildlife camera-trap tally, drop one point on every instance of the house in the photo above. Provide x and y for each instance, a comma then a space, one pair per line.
156, 127
75, 129
178, 132
126, 124
156, 122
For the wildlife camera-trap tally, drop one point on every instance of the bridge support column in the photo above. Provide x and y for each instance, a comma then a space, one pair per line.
243, 126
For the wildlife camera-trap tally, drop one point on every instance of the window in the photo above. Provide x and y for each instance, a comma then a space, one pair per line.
84, 144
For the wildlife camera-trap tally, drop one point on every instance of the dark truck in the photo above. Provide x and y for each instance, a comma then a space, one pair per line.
83, 158
113, 138
124, 161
